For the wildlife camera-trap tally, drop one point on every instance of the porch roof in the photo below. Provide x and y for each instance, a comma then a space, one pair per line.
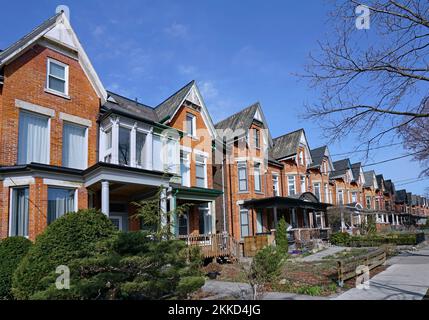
285, 202
182, 192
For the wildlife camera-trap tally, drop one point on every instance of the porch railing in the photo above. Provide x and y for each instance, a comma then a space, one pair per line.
307, 234
214, 245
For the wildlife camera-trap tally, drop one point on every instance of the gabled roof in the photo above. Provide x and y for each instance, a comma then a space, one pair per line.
356, 168
340, 168
369, 178
46, 25
287, 145
57, 30
401, 196
167, 108
317, 156
116, 102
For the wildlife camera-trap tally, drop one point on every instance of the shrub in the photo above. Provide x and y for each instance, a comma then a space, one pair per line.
340, 238
75, 235
12, 250
281, 236
134, 266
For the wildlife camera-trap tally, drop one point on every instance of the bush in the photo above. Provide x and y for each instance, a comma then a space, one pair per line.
12, 250
134, 266
75, 235
281, 236
340, 238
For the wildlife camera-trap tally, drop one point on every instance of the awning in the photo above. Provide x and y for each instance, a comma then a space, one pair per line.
194, 193
285, 202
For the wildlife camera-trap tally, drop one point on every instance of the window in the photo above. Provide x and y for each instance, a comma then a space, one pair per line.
57, 77
108, 145
354, 197
60, 201
276, 185
200, 171
140, 148
256, 138
172, 156
124, 149
291, 185
190, 124
368, 202
303, 186
316, 187
33, 138
183, 224
257, 176
117, 221
19, 212
259, 222
244, 222
301, 158
185, 170
205, 219
340, 197
242, 176
74, 146
326, 187
157, 153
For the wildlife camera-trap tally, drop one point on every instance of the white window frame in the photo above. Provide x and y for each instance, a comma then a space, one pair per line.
120, 221
257, 165
301, 157
289, 178
340, 191
242, 165
303, 183
248, 221
194, 124
319, 196
11, 209
256, 138
57, 184
66, 77
204, 156
187, 163
326, 190
355, 196
276, 189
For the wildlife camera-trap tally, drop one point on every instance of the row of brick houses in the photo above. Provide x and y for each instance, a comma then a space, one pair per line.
67, 144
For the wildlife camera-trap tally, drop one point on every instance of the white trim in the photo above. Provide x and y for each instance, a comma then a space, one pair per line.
75, 119
18, 181
62, 183
201, 153
10, 212
185, 149
34, 108
120, 221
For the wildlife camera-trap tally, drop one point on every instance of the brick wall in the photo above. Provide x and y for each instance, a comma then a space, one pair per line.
25, 79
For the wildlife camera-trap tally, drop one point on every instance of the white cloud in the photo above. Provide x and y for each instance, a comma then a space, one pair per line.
187, 70
208, 90
98, 31
176, 30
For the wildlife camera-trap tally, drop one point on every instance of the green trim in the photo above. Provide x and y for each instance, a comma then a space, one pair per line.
211, 193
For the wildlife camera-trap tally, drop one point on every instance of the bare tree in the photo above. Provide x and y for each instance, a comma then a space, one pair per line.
374, 82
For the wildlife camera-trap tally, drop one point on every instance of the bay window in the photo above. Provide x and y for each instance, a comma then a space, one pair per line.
19, 212
33, 138
124, 147
74, 146
60, 202
140, 148
157, 153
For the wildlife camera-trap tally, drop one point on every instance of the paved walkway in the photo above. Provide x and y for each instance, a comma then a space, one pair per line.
243, 291
406, 278
321, 254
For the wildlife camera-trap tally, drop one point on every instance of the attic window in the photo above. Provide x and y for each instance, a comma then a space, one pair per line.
191, 124
57, 77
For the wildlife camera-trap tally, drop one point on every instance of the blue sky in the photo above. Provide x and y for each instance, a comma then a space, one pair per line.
238, 51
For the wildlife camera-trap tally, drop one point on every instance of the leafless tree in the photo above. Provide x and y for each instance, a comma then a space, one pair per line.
374, 82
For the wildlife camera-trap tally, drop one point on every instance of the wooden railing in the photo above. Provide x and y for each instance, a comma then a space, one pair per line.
307, 234
347, 268
214, 245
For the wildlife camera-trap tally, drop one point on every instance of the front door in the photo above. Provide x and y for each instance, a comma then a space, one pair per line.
205, 219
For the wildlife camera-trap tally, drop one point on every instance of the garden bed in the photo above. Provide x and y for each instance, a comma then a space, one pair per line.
376, 240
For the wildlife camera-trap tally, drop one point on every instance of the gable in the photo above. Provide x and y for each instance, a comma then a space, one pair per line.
58, 31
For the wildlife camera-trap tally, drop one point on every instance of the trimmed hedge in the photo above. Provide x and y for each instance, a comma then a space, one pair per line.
74, 235
377, 239
12, 250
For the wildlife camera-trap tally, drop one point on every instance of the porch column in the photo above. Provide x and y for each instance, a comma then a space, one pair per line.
359, 219
212, 206
105, 197
115, 142
393, 219
275, 217
343, 225
397, 220
382, 218
322, 219
163, 206
351, 221
310, 216
133, 146
174, 223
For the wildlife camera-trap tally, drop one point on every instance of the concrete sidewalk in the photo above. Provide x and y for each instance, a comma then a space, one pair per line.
406, 278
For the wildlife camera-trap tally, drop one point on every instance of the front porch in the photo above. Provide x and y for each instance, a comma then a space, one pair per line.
305, 215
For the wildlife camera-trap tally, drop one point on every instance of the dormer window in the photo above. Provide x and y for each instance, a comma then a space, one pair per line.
57, 77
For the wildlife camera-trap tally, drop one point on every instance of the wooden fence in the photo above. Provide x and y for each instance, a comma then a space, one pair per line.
214, 245
252, 244
347, 267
